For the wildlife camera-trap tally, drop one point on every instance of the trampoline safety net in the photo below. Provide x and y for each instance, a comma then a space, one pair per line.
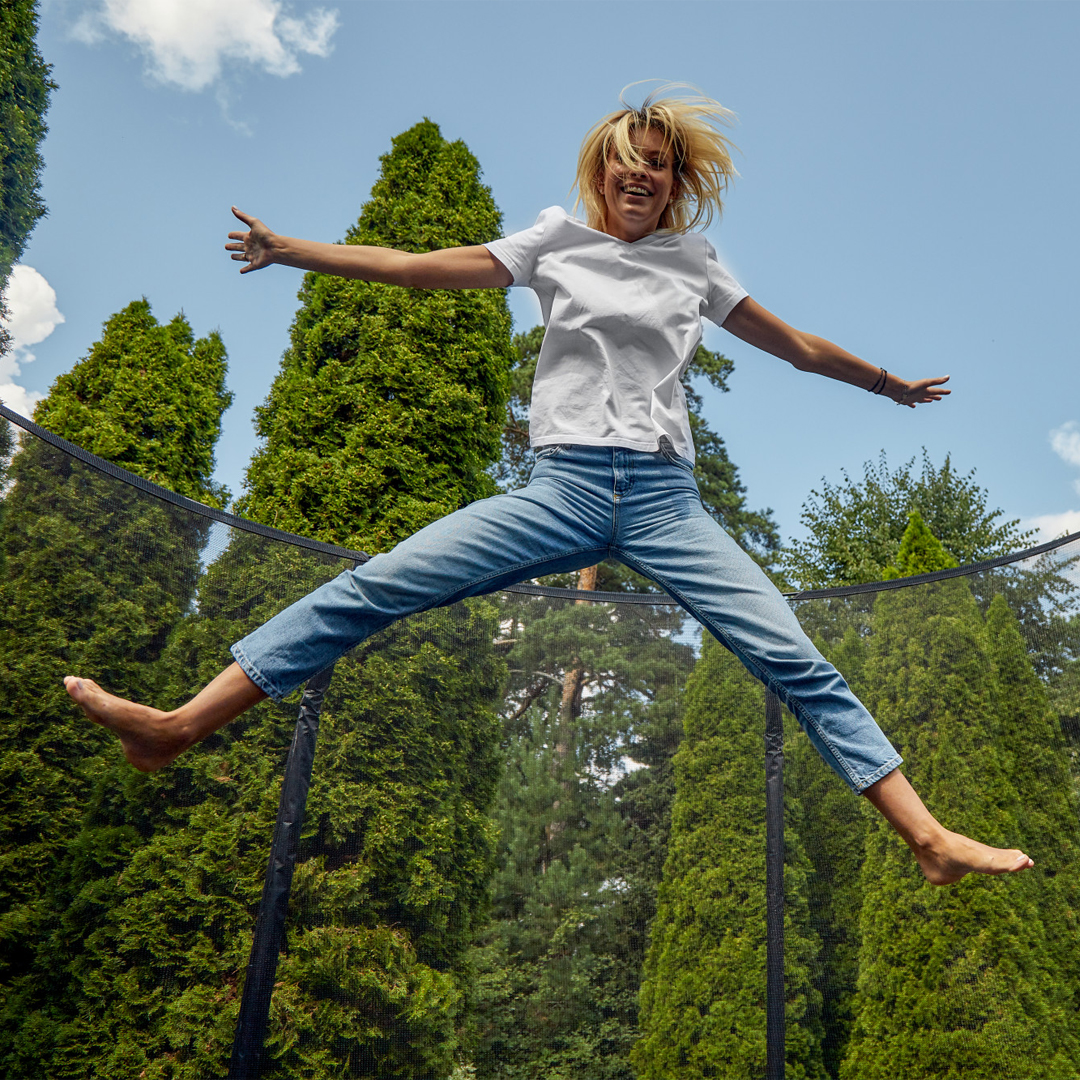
525, 836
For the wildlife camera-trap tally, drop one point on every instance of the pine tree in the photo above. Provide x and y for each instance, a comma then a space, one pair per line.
952, 981
833, 831
95, 581
703, 991
148, 398
25, 88
560, 962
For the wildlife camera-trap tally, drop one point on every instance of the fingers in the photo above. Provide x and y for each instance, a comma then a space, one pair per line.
247, 219
924, 392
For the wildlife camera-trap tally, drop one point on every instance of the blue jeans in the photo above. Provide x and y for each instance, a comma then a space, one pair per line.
584, 504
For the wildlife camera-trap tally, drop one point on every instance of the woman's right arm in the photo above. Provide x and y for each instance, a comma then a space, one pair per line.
450, 268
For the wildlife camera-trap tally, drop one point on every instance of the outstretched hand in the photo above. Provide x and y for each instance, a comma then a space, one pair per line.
920, 392
254, 246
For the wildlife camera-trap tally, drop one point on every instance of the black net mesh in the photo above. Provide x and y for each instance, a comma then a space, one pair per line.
534, 842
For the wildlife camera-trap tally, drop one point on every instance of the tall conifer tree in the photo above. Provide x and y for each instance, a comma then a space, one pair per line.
95, 581
1037, 757
388, 409
25, 87
952, 982
703, 991
379, 421
559, 964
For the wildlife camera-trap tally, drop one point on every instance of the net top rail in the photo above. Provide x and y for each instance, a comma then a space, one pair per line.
233, 521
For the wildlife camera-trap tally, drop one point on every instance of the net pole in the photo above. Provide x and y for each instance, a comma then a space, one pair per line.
774, 888
251, 1025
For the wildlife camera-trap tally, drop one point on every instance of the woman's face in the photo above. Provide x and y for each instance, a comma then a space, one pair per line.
636, 197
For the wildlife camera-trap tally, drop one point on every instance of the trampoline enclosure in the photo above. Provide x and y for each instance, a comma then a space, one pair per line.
535, 840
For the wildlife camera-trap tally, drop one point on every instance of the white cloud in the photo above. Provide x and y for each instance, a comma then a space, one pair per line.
1051, 526
32, 317
32, 311
22, 401
1065, 441
187, 43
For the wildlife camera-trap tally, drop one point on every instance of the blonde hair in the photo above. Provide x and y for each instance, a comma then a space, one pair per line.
700, 151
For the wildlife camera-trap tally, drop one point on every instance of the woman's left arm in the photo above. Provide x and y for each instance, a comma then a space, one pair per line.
762, 329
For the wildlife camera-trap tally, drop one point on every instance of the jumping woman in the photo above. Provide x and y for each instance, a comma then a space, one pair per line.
623, 294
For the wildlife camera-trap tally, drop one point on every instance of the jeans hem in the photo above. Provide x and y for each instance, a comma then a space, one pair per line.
254, 674
893, 763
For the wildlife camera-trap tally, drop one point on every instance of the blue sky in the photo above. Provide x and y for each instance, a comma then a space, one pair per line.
908, 189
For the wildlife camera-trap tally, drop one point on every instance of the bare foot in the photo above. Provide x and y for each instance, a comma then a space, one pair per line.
951, 856
151, 738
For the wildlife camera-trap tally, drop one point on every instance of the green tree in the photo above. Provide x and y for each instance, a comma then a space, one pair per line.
1036, 755
855, 527
559, 965
703, 990
25, 88
393, 865
377, 423
833, 833
390, 402
95, 581
149, 398
951, 981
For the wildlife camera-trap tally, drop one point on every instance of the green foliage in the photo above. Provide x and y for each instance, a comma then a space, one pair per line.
703, 991
920, 552
856, 527
390, 402
722, 493
833, 832
951, 981
376, 424
393, 864
559, 965
516, 461
1035, 753
149, 398
95, 580
25, 87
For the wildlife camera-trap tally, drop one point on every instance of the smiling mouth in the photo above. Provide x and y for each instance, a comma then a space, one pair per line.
636, 189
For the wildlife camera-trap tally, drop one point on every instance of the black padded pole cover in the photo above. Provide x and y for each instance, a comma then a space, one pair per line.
774, 888
251, 1025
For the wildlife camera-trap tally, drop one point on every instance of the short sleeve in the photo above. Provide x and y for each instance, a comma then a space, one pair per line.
724, 291
518, 251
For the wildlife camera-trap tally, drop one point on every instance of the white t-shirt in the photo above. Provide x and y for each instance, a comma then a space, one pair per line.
622, 321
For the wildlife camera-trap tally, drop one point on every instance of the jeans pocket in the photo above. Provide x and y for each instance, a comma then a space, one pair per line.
553, 450
673, 459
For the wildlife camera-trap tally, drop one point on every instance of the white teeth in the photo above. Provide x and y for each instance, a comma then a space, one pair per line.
631, 189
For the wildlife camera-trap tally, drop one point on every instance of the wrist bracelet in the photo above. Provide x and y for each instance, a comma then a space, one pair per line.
879, 385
